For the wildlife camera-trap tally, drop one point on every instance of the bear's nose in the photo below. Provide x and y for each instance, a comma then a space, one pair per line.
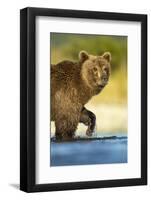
104, 79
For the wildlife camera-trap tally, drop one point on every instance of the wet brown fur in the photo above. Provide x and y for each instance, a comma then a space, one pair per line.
71, 89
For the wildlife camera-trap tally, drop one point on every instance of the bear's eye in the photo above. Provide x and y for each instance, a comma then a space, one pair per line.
105, 69
95, 69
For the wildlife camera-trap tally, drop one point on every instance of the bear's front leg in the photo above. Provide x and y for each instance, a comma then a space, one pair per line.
89, 119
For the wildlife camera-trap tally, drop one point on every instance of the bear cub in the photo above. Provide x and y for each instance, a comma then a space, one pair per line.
73, 84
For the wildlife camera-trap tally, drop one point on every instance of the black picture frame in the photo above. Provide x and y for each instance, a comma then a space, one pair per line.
28, 98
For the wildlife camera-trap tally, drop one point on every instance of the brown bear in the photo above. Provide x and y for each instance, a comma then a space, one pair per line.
73, 84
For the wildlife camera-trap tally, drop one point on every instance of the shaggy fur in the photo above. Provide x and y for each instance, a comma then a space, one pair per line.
72, 85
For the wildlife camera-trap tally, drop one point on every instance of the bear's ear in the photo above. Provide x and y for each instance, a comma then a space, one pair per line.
107, 56
83, 55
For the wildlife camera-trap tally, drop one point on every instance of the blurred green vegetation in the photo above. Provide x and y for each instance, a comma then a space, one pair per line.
67, 46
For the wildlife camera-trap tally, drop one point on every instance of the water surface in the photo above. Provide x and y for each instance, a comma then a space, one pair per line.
86, 151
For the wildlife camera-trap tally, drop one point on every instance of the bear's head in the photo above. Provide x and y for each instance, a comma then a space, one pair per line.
95, 70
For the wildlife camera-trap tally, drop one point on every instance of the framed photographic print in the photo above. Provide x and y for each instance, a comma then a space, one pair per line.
83, 99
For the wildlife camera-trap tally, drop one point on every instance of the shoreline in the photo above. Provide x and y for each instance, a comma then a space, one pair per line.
53, 139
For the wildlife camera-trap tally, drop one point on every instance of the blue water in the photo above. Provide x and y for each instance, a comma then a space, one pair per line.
106, 151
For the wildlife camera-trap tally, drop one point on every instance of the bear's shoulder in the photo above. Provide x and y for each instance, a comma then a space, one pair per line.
66, 66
